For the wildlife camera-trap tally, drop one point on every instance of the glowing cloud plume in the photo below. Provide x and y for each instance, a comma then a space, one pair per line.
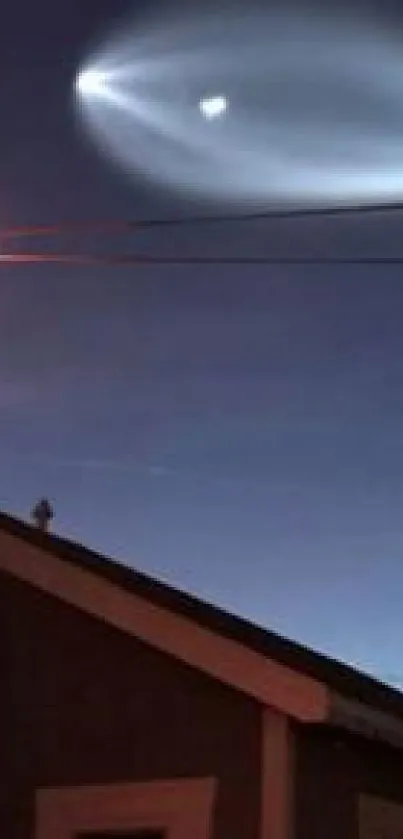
316, 110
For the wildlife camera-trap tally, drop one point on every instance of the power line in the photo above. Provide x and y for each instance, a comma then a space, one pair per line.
119, 259
132, 225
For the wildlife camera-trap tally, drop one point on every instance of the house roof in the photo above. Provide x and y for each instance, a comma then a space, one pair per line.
339, 677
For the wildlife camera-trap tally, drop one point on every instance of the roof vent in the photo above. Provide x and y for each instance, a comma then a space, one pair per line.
42, 514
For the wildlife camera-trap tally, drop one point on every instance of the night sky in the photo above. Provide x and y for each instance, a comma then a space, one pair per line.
234, 430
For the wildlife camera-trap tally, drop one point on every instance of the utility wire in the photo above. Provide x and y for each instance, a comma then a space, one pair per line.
144, 259
132, 225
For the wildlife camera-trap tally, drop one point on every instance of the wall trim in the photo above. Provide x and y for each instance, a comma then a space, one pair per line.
231, 663
277, 777
182, 808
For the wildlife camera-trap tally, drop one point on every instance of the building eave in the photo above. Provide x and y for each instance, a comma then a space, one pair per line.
270, 683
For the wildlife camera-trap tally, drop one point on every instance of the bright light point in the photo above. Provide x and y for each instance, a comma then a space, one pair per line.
91, 82
213, 106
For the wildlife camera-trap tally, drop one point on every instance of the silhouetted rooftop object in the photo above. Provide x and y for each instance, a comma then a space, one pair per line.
42, 514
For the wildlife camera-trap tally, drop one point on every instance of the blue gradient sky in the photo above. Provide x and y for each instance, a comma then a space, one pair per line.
237, 431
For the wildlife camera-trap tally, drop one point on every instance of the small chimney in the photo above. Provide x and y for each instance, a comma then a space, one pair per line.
42, 514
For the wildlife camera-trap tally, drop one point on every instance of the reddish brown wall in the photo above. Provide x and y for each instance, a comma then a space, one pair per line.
332, 769
86, 704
